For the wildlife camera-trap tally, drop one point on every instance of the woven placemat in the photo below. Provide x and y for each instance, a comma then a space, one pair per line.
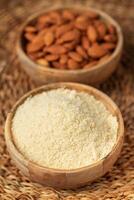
118, 184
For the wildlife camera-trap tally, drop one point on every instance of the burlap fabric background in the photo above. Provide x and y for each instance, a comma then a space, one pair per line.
118, 184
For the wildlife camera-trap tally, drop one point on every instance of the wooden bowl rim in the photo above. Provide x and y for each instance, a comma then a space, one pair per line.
91, 90
103, 14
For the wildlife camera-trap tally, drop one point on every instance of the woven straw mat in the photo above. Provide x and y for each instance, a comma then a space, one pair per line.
118, 184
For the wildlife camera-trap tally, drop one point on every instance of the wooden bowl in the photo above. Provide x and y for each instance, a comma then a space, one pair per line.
59, 178
93, 76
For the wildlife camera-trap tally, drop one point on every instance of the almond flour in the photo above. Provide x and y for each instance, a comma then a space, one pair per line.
64, 129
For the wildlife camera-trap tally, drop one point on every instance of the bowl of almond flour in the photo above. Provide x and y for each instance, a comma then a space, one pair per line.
64, 135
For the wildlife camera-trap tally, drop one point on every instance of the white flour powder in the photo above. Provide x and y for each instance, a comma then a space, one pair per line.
64, 129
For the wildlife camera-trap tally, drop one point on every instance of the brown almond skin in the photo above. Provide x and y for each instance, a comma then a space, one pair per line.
69, 36
97, 51
49, 38
81, 22
101, 29
72, 64
68, 15
92, 15
63, 59
29, 36
104, 58
52, 57
92, 33
70, 45
108, 46
75, 56
36, 55
34, 46
80, 50
58, 65
63, 29
111, 29
91, 64
30, 29
56, 16
55, 49
110, 38
85, 42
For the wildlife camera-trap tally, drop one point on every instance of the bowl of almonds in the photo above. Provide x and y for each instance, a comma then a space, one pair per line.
70, 44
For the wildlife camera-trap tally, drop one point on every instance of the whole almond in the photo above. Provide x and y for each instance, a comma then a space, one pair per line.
58, 65
91, 64
49, 38
72, 64
92, 14
108, 46
63, 29
56, 16
97, 51
36, 55
36, 45
104, 58
68, 15
45, 20
52, 57
82, 52
85, 42
75, 56
55, 49
29, 36
43, 62
30, 29
92, 33
110, 38
70, 45
63, 59
101, 29
111, 29
81, 22
69, 36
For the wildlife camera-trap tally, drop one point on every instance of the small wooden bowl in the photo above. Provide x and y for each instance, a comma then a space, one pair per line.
65, 178
92, 76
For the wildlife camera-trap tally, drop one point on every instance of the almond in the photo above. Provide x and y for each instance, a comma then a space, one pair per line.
36, 45
52, 57
97, 51
43, 62
92, 14
55, 49
49, 38
101, 29
30, 29
108, 46
85, 43
29, 36
70, 45
111, 29
63, 29
72, 64
36, 55
58, 65
57, 17
69, 36
104, 58
91, 64
92, 33
110, 38
81, 22
68, 15
82, 52
75, 56
63, 59
45, 20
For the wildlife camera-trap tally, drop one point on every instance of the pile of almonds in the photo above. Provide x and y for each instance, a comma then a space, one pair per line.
69, 39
